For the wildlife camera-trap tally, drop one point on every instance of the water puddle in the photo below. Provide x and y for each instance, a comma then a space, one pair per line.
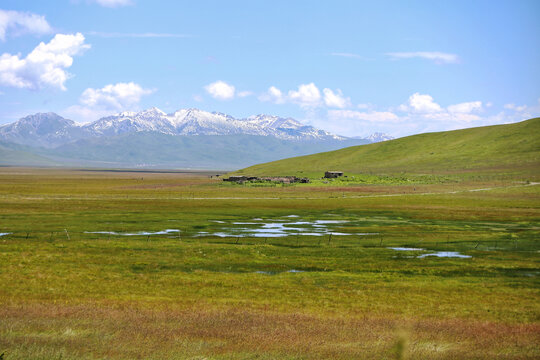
446, 254
268, 233
293, 225
140, 233
442, 254
4, 234
275, 273
330, 221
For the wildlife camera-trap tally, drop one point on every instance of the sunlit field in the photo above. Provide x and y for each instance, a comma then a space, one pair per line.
172, 265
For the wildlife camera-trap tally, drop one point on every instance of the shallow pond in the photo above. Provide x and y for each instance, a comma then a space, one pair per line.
162, 232
289, 225
443, 254
446, 254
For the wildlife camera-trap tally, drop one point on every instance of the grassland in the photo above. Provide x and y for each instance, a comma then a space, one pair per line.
67, 292
501, 150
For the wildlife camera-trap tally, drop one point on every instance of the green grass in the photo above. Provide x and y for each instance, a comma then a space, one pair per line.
512, 149
77, 295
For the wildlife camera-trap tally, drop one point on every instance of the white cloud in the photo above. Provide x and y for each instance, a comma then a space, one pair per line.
113, 3
522, 112
422, 107
438, 57
44, 66
466, 107
273, 94
335, 99
448, 118
220, 90
421, 104
22, 22
96, 103
307, 95
420, 114
360, 123
518, 108
120, 96
372, 116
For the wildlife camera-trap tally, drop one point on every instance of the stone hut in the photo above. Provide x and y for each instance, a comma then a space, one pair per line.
333, 174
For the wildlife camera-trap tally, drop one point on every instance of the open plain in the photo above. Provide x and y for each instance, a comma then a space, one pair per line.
172, 265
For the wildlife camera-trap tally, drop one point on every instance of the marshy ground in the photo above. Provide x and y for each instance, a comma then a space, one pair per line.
123, 265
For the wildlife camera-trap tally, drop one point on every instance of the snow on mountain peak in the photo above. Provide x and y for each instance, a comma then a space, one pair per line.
182, 122
125, 114
153, 111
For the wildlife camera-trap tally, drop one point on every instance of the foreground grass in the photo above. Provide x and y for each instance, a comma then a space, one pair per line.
67, 294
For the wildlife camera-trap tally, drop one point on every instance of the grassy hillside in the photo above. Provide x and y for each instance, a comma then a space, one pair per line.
499, 148
20, 155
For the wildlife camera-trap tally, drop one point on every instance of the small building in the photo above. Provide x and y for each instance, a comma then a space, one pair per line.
240, 178
279, 179
333, 174
235, 178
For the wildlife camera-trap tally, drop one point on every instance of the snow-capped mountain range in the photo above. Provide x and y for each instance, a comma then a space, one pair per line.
50, 129
199, 122
188, 138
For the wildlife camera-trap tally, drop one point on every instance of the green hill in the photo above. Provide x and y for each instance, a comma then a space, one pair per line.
20, 155
511, 148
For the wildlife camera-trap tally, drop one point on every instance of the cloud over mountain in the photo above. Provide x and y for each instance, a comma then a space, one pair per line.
220, 90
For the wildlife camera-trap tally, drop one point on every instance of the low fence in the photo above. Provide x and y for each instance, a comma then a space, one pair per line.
388, 239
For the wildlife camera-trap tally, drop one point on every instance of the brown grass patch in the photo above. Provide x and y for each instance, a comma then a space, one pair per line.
127, 331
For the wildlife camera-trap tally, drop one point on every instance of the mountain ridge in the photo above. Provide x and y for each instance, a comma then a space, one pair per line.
151, 138
51, 130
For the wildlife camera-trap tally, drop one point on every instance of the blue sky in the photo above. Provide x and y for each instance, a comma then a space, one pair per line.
350, 67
